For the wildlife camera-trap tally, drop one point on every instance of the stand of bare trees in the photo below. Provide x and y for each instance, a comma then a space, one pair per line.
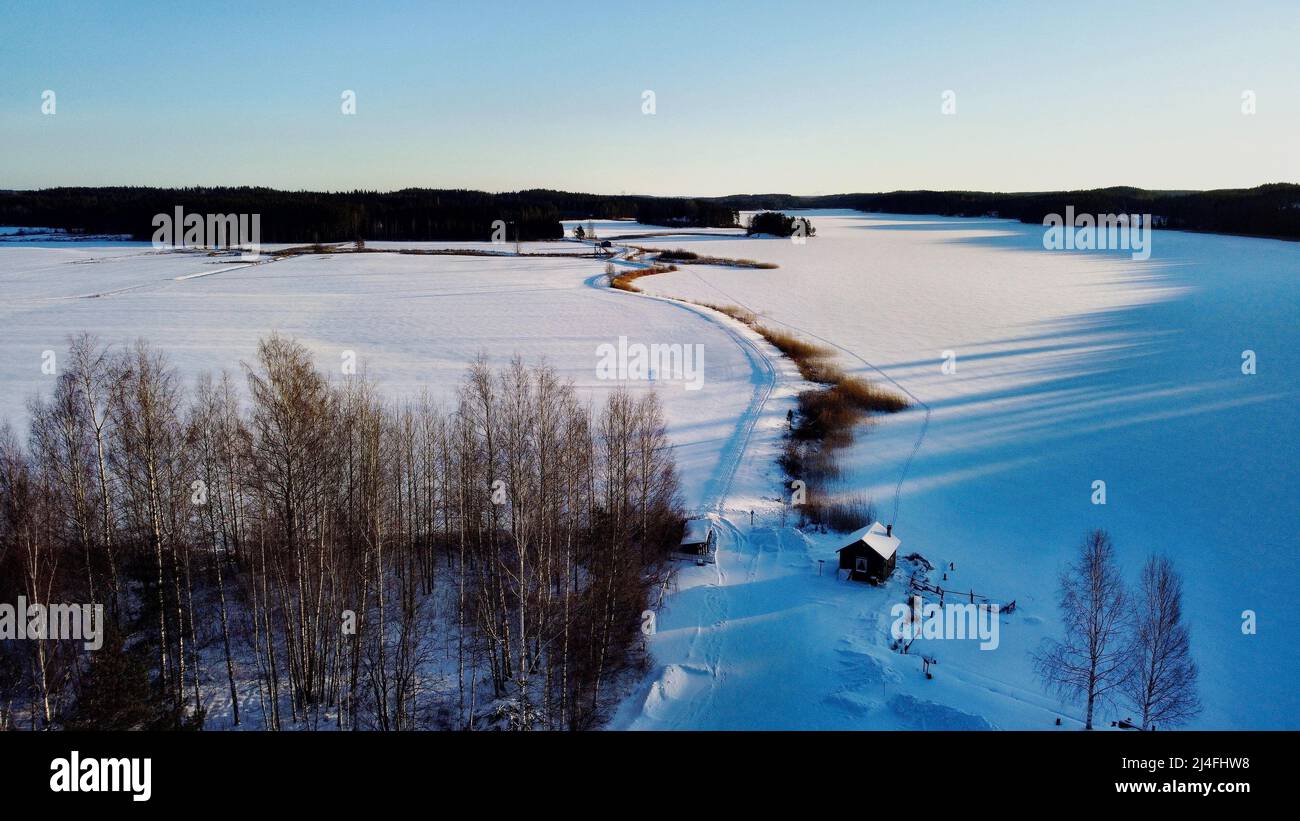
1118, 647
311, 553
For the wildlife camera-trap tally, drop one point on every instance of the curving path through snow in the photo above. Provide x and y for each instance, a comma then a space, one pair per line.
764, 381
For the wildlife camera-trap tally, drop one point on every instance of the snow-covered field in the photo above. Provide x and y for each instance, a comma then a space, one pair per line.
413, 322
1071, 368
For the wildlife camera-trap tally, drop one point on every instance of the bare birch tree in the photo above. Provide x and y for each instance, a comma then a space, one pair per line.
1162, 684
1091, 662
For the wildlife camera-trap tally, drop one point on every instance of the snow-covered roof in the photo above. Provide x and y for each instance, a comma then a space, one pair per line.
697, 531
875, 536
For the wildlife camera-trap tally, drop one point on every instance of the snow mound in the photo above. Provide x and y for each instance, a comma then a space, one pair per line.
926, 715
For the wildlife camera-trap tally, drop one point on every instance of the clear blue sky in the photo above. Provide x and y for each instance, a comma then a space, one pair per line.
750, 96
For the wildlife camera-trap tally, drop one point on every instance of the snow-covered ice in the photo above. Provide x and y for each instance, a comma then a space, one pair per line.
1070, 368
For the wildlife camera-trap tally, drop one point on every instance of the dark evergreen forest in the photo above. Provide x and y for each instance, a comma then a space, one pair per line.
1267, 210
429, 214
306, 216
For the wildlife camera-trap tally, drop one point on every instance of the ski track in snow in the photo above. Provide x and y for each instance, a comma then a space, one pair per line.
162, 283
691, 704
709, 638
734, 451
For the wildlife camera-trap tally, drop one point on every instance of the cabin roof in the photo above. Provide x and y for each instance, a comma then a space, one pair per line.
697, 531
874, 536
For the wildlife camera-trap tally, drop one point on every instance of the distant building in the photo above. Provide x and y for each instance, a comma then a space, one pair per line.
870, 554
698, 538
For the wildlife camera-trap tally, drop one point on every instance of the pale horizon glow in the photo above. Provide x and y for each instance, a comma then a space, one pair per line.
750, 97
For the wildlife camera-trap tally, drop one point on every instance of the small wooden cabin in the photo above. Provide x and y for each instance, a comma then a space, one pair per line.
870, 554
698, 538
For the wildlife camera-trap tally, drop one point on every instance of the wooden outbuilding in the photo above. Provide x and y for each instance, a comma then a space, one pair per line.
870, 554
698, 537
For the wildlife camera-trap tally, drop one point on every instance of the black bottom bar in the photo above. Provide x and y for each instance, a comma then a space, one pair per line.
958, 772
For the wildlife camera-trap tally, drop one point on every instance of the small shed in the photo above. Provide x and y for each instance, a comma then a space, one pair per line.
698, 537
870, 554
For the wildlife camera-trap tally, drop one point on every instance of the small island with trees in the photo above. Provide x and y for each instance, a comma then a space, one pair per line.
778, 224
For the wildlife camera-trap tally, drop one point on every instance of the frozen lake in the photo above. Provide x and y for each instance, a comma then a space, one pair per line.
1071, 367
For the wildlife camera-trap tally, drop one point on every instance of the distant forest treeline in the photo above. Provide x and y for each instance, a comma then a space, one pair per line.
1268, 210
306, 216
429, 214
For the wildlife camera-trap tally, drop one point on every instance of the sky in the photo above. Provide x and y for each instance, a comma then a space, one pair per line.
748, 97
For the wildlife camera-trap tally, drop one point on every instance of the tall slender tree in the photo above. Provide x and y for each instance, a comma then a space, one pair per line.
1162, 684
1091, 662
